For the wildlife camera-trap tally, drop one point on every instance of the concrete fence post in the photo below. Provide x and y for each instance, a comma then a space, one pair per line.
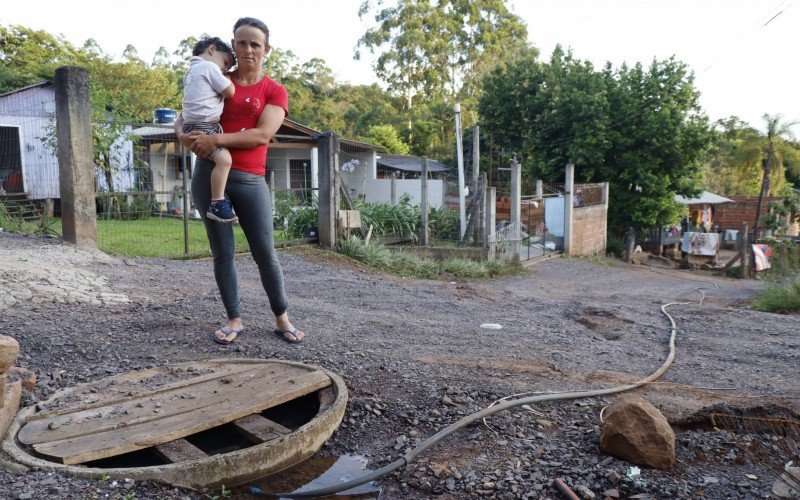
516, 209
569, 196
75, 159
491, 226
393, 187
476, 168
328, 145
539, 188
424, 207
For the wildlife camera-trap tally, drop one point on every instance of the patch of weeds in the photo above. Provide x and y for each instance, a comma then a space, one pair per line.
409, 265
224, 493
600, 260
782, 299
464, 268
104, 478
10, 223
734, 272
615, 246
129, 496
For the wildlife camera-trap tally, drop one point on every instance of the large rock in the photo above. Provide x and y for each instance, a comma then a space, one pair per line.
634, 430
9, 352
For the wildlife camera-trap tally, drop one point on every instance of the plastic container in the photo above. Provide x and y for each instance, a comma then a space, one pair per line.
165, 115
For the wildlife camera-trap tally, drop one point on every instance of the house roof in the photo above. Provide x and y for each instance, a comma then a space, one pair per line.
705, 197
409, 163
289, 131
152, 131
43, 83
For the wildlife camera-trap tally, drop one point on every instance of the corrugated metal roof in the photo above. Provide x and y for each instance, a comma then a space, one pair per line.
409, 163
152, 130
43, 83
705, 197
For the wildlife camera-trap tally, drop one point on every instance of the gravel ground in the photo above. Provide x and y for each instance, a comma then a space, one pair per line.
415, 358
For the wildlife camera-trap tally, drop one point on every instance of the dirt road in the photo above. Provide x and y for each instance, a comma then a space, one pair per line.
402, 345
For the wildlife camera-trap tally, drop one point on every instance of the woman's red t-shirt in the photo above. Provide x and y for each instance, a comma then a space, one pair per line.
242, 111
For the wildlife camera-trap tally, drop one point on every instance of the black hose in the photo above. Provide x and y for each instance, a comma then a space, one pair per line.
506, 405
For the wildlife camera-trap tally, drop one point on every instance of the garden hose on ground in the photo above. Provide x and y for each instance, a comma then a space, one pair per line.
507, 405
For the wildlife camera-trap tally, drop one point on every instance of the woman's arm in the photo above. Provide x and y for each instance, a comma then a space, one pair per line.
268, 124
185, 139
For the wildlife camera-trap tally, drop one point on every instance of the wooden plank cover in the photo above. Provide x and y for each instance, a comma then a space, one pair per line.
149, 407
180, 450
259, 428
139, 423
98, 401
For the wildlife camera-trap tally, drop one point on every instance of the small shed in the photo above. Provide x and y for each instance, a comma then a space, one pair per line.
407, 167
26, 120
701, 208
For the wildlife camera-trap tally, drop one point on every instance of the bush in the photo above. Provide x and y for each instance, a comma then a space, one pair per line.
407, 264
781, 299
444, 223
615, 246
300, 220
401, 219
785, 260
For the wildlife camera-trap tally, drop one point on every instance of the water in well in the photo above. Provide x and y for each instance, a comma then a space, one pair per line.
316, 472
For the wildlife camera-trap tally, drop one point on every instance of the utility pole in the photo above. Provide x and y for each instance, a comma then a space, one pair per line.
460, 157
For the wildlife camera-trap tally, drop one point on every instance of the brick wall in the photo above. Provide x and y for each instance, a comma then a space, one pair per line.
527, 210
732, 215
589, 225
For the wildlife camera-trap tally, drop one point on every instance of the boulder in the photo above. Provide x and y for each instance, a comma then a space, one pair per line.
634, 430
9, 352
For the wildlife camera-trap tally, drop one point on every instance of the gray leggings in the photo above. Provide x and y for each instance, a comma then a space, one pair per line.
251, 200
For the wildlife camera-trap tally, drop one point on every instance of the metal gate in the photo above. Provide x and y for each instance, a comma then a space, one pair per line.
541, 230
542, 224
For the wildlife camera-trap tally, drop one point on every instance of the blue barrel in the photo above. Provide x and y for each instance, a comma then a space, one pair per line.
166, 115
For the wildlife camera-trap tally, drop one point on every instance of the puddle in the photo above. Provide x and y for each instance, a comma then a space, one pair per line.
316, 472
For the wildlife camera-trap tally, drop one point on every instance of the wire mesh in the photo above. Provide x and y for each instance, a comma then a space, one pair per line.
587, 195
143, 193
28, 167
769, 444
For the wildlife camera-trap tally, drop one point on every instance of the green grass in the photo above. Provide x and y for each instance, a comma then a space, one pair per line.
151, 237
779, 298
409, 265
156, 237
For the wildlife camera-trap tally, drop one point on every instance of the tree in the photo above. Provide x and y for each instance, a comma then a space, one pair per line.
367, 105
733, 165
161, 58
640, 129
131, 55
778, 132
28, 55
442, 49
281, 64
387, 136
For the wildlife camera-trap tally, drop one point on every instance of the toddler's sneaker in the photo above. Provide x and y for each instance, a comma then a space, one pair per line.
221, 211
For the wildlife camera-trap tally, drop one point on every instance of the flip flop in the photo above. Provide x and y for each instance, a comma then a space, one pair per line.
292, 330
227, 331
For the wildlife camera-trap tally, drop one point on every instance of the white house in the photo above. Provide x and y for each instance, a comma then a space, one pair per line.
28, 162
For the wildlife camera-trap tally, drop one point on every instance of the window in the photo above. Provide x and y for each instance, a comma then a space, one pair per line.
10, 160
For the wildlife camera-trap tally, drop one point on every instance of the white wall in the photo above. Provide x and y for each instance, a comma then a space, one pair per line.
365, 170
32, 111
380, 191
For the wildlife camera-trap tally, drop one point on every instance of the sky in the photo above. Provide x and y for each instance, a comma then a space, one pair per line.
743, 52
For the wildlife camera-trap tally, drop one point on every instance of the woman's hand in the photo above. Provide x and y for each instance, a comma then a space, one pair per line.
202, 144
